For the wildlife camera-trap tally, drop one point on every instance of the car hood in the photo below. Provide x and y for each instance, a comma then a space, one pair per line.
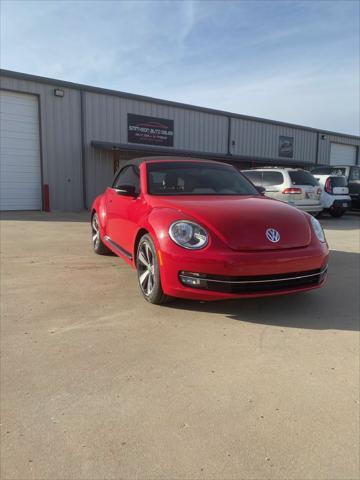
241, 221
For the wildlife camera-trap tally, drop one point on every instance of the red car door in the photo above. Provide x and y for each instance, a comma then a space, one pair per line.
121, 210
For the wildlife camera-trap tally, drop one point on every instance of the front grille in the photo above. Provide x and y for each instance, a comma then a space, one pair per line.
253, 284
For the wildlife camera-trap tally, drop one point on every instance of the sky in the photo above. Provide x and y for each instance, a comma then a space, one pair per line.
293, 61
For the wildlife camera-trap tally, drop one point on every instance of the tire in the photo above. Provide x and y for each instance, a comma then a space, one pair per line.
319, 214
147, 266
99, 247
337, 212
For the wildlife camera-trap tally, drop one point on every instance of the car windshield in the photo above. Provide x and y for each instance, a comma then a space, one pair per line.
187, 178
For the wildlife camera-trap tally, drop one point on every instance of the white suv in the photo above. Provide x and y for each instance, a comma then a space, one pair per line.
294, 186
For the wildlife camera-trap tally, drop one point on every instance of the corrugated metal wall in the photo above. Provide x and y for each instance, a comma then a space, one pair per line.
259, 139
61, 141
105, 120
194, 130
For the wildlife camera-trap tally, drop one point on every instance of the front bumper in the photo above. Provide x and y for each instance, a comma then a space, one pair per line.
253, 284
229, 274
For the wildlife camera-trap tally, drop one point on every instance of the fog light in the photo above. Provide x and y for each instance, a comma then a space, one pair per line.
192, 279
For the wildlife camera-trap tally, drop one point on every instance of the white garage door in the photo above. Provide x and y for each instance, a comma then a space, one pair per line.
20, 177
342, 154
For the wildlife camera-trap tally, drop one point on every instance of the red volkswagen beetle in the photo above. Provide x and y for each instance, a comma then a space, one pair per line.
199, 229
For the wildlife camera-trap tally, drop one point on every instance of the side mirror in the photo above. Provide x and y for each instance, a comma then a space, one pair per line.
261, 190
126, 190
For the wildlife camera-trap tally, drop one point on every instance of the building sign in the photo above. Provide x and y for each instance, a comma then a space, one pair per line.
286, 147
150, 130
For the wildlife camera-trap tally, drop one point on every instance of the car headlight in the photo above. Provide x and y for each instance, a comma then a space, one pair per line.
188, 234
318, 229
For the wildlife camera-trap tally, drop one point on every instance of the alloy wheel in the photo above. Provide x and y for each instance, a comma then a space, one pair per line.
146, 268
95, 230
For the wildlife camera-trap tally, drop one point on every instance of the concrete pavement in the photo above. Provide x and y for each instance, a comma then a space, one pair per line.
98, 384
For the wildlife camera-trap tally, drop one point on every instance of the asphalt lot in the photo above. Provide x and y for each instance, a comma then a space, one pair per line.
98, 384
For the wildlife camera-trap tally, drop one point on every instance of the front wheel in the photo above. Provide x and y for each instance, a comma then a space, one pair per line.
147, 266
99, 247
337, 212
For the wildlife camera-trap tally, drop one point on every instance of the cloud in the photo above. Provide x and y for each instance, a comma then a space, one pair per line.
295, 61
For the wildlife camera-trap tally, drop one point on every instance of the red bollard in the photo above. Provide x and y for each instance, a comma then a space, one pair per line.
46, 198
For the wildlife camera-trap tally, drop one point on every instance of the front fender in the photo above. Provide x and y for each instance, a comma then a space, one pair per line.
99, 205
158, 223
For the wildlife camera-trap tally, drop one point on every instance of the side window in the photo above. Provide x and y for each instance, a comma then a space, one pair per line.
254, 176
128, 176
355, 173
272, 178
338, 171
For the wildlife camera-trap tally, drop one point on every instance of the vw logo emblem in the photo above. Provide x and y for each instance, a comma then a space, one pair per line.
272, 235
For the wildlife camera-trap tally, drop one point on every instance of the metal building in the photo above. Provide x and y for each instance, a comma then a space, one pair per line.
61, 142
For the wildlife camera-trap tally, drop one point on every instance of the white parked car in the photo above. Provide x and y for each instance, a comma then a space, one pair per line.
294, 186
352, 175
335, 194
